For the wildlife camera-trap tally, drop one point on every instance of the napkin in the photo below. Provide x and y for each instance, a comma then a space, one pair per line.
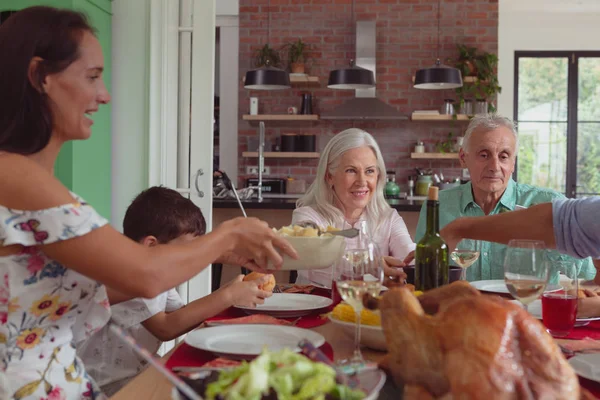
297, 288
586, 345
251, 319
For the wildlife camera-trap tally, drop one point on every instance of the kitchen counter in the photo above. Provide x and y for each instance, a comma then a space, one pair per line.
290, 204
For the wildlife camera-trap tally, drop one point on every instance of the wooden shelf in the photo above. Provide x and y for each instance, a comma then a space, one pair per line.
311, 81
281, 154
280, 117
466, 79
438, 117
298, 80
434, 156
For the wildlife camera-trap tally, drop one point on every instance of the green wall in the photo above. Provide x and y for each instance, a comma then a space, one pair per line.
85, 166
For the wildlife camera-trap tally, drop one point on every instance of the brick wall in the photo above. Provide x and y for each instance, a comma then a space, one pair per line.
406, 41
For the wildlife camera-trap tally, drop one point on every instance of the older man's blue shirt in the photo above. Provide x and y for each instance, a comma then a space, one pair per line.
458, 202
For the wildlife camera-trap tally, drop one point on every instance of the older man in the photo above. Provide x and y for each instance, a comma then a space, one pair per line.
489, 152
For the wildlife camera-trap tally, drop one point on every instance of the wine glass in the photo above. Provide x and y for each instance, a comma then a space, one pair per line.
465, 255
359, 272
525, 270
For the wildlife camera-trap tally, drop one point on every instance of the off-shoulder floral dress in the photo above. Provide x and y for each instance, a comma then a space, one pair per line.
46, 308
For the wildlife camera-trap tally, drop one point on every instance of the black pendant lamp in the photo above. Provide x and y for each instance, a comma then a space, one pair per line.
438, 76
353, 77
267, 77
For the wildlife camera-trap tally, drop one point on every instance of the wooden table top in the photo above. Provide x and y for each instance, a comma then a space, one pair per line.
152, 385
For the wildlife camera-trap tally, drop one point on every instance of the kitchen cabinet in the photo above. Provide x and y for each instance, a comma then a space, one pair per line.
85, 166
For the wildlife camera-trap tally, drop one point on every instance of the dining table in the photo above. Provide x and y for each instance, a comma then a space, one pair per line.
153, 385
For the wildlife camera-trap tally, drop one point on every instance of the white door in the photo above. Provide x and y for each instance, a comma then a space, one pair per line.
182, 43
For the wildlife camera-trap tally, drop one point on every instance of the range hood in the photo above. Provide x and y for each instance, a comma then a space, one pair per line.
365, 106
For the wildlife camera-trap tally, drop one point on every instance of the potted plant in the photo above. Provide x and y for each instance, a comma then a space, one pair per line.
267, 55
486, 86
466, 60
296, 56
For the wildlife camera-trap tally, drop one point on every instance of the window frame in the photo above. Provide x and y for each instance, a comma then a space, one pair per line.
572, 102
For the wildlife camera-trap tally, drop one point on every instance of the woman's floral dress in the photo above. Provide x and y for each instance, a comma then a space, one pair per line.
46, 308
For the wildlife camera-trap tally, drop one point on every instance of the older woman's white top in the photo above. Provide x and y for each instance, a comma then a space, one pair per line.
391, 237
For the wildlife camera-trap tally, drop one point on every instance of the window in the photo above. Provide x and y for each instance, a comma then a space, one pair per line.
557, 107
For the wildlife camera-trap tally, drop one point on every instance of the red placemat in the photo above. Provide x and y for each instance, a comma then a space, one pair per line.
593, 387
188, 356
591, 330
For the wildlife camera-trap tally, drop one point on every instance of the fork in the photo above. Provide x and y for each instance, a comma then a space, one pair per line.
277, 289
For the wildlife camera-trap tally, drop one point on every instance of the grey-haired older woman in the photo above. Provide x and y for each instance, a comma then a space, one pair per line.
349, 188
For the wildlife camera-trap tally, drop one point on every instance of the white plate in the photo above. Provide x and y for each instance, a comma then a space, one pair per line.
535, 309
289, 305
499, 286
369, 382
370, 336
314, 252
587, 365
247, 341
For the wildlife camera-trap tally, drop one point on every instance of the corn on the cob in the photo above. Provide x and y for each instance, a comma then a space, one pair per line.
345, 312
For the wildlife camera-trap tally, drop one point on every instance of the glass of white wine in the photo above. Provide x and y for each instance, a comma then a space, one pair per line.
358, 273
465, 255
526, 270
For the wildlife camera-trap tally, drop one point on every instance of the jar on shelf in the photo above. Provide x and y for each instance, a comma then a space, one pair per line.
481, 106
420, 147
467, 108
448, 107
422, 186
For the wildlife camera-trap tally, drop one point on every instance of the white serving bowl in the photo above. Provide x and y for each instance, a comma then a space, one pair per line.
370, 336
314, 252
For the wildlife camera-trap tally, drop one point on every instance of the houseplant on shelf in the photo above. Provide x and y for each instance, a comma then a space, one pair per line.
296, 56
466, 57
267, 55
483, 66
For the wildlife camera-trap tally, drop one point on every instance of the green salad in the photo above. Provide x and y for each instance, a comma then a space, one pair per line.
282, 375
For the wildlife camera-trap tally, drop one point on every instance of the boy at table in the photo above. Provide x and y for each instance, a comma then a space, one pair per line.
157, 216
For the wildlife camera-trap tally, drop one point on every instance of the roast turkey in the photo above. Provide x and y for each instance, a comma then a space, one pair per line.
473, 347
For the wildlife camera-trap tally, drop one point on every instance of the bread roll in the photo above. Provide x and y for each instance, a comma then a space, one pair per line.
267, 286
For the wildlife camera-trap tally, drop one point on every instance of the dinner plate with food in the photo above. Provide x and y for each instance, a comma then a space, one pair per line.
283, 375
289, 305
248, 341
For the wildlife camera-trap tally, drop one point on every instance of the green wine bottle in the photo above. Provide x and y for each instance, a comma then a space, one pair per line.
431, 256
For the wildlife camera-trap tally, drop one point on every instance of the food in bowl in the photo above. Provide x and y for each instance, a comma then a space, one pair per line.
314, 251
267, 286
345, 312
275, 375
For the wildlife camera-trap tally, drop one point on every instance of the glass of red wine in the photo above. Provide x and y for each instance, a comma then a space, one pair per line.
559, 308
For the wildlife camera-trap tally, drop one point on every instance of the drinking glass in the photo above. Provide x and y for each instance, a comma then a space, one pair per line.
559, 308
525, 270
359, 272
465, 255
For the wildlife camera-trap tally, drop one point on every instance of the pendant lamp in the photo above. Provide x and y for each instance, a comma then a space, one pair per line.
267, 77
438, 76
352, 77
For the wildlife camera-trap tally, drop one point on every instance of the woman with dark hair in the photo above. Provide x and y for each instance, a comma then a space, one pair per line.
56, 252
